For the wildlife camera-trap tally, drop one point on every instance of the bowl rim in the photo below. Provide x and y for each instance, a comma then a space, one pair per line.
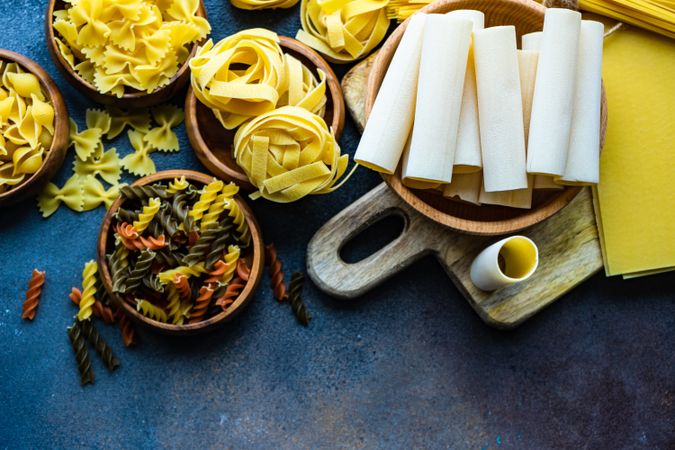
56, 153
529, 217
90, 90
257, 250
215, 164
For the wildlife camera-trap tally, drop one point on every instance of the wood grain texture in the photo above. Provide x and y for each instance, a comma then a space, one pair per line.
132, 98
254, 256
60, 141
212, 143
485, 220
569, 248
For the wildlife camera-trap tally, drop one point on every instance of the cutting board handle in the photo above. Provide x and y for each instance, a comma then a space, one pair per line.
343, 280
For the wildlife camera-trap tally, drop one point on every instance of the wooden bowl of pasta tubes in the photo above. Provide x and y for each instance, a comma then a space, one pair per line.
212, 130
33, 127
131, 55
180, 252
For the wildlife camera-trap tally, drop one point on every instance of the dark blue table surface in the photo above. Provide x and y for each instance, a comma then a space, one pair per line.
409, 365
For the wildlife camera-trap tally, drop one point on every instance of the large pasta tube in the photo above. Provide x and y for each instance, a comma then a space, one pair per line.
467, 155
583, 159
391, 119
500, 109
465, 186
508, 261
445, 50
554, 93
532, 42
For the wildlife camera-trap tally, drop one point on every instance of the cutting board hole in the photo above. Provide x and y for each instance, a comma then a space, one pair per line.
372, 239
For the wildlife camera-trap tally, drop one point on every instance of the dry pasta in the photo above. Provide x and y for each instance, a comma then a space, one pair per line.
263, 4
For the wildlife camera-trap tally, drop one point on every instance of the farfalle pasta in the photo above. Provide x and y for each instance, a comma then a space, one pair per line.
119, 46
26, 125
247, 74
263, 4
288, 154
343, 30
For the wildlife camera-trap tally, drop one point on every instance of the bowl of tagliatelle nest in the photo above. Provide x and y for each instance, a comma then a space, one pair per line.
33, 127
180, 252
482, 197
253, 79
130, 54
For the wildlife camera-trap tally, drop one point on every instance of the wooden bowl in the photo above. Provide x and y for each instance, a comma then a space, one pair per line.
254, 256
132, 98
486, 220
212, 143
57, 152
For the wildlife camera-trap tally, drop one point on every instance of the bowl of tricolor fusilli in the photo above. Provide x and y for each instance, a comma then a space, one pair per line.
181, 252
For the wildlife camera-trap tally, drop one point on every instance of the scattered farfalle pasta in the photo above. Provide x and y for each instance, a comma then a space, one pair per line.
158, 268
288, 154
130, 45
263, 4
343, 30
247, 74
26, 125
33, 294
163, 138
139, 162
108, 167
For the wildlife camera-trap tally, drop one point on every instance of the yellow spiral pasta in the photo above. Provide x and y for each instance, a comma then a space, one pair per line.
178, 184
130, 44
343, 30
149, 310
288, 154
149, 212
189, 271
263, 4
239, 220
231, 258
247, 74
173, 305
219, 205
26, 125
208, 196
88, 291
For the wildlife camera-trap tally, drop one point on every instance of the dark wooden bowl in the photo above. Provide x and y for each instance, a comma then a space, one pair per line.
254, 256
487, 220
57, 152
132, 98
212, 143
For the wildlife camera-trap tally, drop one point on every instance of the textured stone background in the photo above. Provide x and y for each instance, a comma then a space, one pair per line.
410, 365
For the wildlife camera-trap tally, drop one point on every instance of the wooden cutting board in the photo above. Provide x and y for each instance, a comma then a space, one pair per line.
569, 249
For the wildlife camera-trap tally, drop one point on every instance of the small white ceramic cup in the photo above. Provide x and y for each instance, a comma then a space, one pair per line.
506, 262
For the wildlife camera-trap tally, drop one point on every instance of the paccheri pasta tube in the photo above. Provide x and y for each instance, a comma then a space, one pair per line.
500, 109
465, 186
467, 155
135, 44
553, 101
584, 152
247, 74
26, 125
343, 30
391, 118
289, 153
445, 48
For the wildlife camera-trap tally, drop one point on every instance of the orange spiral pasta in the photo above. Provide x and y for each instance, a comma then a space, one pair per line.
100, 310
201, 304
216, 275
231, 293
182, 285
33, 294
142, 243
127, 231
276, 273
243, 271
127, 329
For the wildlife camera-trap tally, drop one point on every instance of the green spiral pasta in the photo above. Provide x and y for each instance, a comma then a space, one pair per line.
119, 267
81, 353
125, 215
166, 221
140, 270
295, 298
144, 192
219, 245
203, 245
151, 281
169, 258
101, 347
180, 208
